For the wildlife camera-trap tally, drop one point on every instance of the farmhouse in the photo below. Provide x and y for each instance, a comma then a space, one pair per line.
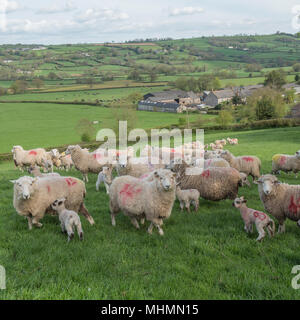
216, 97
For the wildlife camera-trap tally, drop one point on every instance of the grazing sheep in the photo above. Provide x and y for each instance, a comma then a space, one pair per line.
136, 167
213, 184
66, 162
33, 196
281, 200
233, 141
186, 197
140, 199
36, 172
244, 180
105, 176
249, 165
25, 158
69, 220
86, 162
286, 163
251, 216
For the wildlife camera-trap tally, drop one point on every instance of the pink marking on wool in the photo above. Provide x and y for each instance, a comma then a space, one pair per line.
146, 175
294, 206
248, 159
33, 153
209, 162
260, 215
205, 174
128, 192
282, 160
49, 189
97, 156
70, 182
173, 150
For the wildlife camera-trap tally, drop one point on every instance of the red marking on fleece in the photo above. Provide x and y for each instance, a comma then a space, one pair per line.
97, 156
205, 174
128, 192
209, 162
33, 153
173, 150
294, 206
260, 215
49, 189
248, 159
146, 175
282, 160
70, 182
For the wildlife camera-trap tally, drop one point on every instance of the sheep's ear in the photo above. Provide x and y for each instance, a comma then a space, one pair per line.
156, 174
277, 182
244, 201
13, 181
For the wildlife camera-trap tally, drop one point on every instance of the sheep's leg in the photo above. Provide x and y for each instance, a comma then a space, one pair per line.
86, 214
187, 205
158, 223
35, 221
98, 183
70, 232
79, 230
281, 227
135, 223
142, 221
29, 223
261, 233
106, 187
150, 228
270, 231
197, 205
63, 229
181, 205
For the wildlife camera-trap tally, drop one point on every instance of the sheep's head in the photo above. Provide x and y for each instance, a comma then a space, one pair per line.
225, 154
54, 153
267, 182
238, 202
107, 172
298, 154
58, 204
165, 179
244, 180
24, 187
72, 148
16, 148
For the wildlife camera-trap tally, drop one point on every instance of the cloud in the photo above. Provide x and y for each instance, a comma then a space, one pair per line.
68, 7
92, 15
186, 11
9, 6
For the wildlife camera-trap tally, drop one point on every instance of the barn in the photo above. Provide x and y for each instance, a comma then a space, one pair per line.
148, 105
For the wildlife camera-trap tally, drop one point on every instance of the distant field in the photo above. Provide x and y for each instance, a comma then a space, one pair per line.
44, 125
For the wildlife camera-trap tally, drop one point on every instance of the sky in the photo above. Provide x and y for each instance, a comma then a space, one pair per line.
92, 21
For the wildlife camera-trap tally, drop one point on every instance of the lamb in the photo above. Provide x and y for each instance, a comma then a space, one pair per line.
233, 141
66, 161
140, 199
69, 220
56, 158
136, 167
216, 147
286, 163
186, 197
213, 184
251, 216
25, 158
249, 165
244, 180
105, 176
86, 162
281, 200
36, 172
33, 196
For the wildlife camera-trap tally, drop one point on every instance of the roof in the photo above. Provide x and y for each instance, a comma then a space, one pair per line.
159, 104
223, 94
169, 95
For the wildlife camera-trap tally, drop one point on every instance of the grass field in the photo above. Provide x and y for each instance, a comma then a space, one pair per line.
50, 125
206, 255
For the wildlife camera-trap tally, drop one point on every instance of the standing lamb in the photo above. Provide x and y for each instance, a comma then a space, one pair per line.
186, 197
36, 172
281, 200
249, 165
69, 220
86, 162
286, 163
33, 196
213, 184
251, 216
105, 176
140, 199
25, 158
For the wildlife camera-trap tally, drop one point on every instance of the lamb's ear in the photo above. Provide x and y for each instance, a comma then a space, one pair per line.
156, 174
13, 181
244, 201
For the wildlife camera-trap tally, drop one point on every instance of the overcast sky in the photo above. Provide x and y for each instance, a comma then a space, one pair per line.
78, 21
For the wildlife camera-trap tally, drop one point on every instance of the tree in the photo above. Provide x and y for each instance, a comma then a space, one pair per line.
134, 98
237, 99
224, 118
253, 67
19, 86
275, 79
52, 76
296, 67
290, 96
38, 83
134, 75
297, 77
85, 129
152, 76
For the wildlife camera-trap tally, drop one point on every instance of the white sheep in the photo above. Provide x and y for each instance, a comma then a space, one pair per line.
69, 219
286, 163
36, 172
33, 196
105, 176
140, 199
251, 216
188, 197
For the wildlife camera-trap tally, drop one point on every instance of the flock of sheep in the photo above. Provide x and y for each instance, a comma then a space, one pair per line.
146, 190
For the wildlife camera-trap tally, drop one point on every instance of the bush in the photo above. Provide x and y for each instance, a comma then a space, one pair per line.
182, 121
85, 137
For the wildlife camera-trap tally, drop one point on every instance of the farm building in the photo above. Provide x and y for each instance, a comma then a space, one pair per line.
172, 96
148, 105
295, 112
216, 97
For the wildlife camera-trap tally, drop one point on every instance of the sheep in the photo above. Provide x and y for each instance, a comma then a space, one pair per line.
216, 147
66, 161
186, 197
136, 167
281, 200
208, 154
140, 199
216, 162
105, 176
233, 141
251, 216
33, 196
69, 220
36, 172
244, 180
25, 158
56, 158
213, 184
249, 165
49, 162
286, 163
86, 162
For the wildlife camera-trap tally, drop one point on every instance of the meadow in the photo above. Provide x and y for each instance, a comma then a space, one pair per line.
203, 255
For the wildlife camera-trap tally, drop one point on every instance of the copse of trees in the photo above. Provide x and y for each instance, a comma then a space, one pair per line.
205, 82
275, 79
